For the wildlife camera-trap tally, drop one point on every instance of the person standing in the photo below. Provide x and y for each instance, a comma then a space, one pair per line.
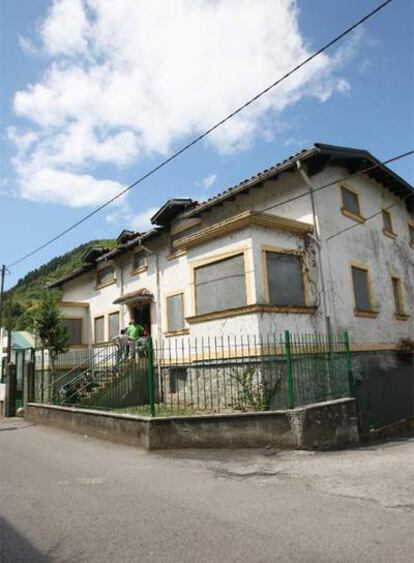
134, 331
121, 342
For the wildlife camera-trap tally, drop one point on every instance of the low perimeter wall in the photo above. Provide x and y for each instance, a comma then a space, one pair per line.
326, 425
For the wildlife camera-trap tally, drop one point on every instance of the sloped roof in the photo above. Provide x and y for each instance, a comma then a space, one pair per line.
316, 158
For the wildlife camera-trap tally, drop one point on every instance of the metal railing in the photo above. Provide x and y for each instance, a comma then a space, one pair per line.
213, 375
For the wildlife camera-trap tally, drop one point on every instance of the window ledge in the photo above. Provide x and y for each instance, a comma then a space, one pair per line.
366, 314
177, 254
102, 285
354, 216
139, 270
181, 332
249, 309
389, 234
401, 317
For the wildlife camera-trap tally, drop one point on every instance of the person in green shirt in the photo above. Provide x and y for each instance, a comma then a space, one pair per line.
134, 331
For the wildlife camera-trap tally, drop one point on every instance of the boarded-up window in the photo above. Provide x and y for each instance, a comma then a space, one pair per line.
74, 331
350, 201
113, 325
175, 312
105, 275
397, 291
99, 330
220, 285
285, 280
139, 261
386, 218
361, 289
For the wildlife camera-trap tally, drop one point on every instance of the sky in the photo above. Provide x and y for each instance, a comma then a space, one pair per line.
94, 93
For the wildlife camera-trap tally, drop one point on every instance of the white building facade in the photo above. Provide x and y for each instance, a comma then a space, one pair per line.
310, 244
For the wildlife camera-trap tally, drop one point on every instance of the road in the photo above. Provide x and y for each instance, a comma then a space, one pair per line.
70, 498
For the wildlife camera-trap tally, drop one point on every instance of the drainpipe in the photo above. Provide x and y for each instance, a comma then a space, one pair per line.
317, 240
158, 296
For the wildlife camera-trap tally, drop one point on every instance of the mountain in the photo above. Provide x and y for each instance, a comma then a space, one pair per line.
27, 289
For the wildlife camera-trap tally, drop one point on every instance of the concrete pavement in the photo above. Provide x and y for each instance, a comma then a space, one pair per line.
67, 498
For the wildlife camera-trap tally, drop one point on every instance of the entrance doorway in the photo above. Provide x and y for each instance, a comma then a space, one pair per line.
141, 315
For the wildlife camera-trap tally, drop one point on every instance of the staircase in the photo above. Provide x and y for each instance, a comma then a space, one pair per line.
110, 379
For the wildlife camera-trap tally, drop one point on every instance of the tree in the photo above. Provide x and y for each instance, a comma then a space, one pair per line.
48, 325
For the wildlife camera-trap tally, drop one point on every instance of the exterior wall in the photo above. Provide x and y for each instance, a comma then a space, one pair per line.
365, 244
368, 245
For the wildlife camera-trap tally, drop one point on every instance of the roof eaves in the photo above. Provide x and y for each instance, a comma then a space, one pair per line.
278, 168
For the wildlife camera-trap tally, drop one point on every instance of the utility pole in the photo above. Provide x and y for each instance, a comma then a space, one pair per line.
3, 273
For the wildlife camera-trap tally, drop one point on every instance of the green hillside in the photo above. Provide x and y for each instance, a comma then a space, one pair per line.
26, 291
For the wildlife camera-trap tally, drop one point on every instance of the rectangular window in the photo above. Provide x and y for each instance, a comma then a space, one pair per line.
105, 275
139, 261
113, 325
350, 201
386, 218
99, 330
175, 312
397, 291
411, 234
74, 331
361, 289
285, 279
220, 285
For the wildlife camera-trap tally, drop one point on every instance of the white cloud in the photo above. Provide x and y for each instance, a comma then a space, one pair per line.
208, 181
74, 190
127, 79
139, 222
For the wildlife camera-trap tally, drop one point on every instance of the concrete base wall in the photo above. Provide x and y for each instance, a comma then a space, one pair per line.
325, 425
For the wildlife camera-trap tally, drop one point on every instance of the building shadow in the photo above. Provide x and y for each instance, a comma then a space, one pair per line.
15, 548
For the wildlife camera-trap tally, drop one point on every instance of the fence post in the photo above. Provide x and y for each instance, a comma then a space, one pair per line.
28, 382
150, 354
349, 364
11, 389
288, 356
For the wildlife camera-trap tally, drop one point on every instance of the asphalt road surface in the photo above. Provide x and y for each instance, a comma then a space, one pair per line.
70, 498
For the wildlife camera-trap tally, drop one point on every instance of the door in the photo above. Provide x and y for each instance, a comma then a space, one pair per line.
141, 315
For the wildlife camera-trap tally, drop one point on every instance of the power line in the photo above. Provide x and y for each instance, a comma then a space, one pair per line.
366, 219
341, 179
207, 132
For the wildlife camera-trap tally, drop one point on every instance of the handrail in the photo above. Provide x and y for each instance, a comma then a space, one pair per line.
83, 373
70, 371
105, 359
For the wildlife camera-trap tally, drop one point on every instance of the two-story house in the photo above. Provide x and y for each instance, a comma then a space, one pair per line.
321, 241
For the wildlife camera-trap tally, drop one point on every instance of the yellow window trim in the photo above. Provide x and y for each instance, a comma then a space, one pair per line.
139, 270
372, 313
278, 250
344, 210
248, 273
103, 267
403, 314
184, 330
387, 233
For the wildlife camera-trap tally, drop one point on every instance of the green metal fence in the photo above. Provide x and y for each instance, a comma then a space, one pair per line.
208, 375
